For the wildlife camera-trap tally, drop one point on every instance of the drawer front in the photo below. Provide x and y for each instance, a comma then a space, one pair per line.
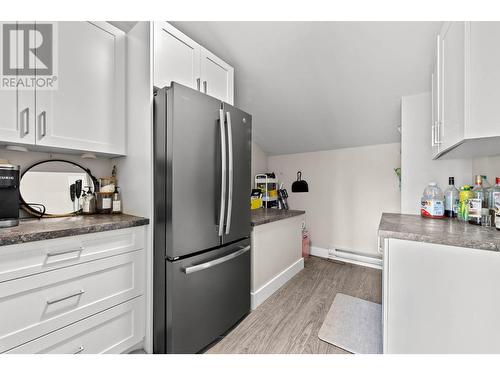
40, 256
36, 305
112, 331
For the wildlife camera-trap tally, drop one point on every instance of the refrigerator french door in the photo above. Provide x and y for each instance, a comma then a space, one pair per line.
202, 219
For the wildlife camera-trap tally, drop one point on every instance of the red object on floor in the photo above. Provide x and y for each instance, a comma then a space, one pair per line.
306, 244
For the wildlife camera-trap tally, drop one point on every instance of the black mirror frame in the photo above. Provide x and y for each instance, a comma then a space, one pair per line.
27, 207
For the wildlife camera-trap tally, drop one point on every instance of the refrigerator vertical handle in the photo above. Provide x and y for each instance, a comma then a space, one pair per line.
230, 152
223, 174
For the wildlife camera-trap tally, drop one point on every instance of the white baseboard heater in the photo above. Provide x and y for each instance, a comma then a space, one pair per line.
347, 256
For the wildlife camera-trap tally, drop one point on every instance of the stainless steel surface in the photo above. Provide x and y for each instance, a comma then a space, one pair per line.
42, 120
9, 167
79, 350
212, 263
60, 299
203, 305
230, 175
62, 252
7, 223
25, 121
223, 174
241, 134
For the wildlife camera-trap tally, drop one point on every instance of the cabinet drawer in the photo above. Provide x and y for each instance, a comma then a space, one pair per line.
36, 305
40, 256
112, 331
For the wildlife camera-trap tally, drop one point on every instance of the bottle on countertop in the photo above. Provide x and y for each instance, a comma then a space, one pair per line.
89, 202
477, 201
432, 203
117, 202
495, 206
451, 200
488, 191
463, 209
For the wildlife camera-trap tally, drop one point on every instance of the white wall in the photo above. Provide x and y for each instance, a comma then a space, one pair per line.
487, 166
417, 166
259, 160
348, 191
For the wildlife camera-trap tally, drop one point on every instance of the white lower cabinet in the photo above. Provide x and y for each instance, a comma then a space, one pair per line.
440, 299
54, 284
111, 331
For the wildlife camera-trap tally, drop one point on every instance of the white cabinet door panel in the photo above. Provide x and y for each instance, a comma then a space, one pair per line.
453, 115
217, 77
111, 331
86, 111
440, 299
176, 57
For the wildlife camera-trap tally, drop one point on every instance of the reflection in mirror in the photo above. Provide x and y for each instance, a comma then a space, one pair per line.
49, 185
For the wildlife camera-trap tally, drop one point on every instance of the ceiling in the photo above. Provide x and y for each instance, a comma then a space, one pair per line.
322, 85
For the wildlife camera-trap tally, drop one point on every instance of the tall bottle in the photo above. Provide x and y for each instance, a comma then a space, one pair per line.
488, 191
495, 206
451, 200
477, 202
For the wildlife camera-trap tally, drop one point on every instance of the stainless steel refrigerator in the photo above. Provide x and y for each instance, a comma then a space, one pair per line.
202, 181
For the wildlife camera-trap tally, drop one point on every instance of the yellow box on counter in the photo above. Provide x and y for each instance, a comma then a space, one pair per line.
255, 203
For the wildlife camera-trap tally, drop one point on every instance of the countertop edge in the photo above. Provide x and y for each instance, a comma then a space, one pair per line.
47, 234
277, 217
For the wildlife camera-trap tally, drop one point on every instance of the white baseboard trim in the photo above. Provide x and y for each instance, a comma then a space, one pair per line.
275, 283
361, 260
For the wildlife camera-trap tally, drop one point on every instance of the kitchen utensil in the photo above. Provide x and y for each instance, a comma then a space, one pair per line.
300, 186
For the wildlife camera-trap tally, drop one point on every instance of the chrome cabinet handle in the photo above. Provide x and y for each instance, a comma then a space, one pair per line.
62, 252
198, 83
205, 85
223, 172
60, 299
79, 350
42, 121
204, 266
230, 151
25, 121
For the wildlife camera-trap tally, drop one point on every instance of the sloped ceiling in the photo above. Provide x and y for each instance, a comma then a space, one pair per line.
322, 85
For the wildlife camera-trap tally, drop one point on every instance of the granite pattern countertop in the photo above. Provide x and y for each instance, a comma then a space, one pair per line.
48, 228
439, 231
263, 216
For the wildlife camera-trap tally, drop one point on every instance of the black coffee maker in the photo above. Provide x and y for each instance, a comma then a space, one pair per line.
9, 195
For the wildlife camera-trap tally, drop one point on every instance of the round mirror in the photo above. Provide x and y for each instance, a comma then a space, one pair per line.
53, 187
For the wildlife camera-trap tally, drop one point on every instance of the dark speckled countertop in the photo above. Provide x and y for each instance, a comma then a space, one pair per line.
263, 216
48, 228
440, 231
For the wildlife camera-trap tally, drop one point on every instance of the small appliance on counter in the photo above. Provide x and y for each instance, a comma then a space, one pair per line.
9, 195
268, 185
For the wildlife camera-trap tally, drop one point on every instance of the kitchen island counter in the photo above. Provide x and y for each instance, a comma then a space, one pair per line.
263, 216
30, 230
439, 231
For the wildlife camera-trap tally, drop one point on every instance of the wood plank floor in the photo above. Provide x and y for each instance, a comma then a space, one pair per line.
289, 320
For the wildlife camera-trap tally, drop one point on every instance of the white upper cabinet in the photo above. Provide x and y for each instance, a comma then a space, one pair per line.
469, 123
84, 109
217, 77
86, 112
436, 100
177, 58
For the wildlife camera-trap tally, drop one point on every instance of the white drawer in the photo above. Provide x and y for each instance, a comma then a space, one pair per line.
112, 331
40, 256
36, 305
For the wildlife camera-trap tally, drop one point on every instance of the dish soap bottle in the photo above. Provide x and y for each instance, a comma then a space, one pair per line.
117, 202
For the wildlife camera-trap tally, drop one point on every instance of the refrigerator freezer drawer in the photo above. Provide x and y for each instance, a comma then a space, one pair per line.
206, 295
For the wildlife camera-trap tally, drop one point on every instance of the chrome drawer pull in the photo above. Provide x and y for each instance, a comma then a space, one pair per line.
62, 252
80, 349
215, 262
60, 299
